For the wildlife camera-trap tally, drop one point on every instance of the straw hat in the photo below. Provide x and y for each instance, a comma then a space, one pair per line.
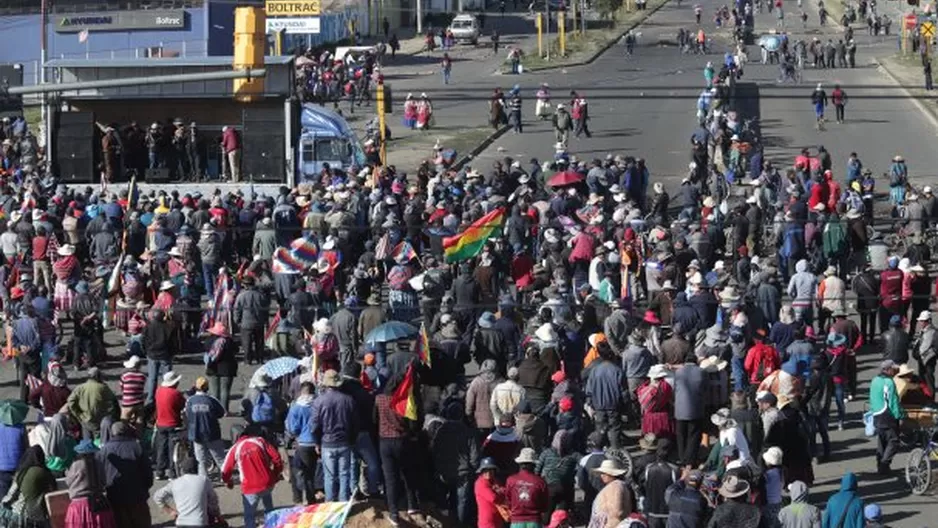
713, 364
733, 487
331, 378
170, 379
649, 442
904, 370
528, 456
611, 468
657, 372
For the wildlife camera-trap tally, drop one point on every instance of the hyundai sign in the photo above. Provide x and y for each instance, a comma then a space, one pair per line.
294, 26
121, 20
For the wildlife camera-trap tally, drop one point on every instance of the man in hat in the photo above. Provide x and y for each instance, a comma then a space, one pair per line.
159, 340
170, 404
335, 430
299, 425
891, 280
132, 384
686, 505
831, 295
489, 496
615, 500
259, 466
768, 411
735, 510
607, 392
526, 492
251, 310
925, 348
887, 414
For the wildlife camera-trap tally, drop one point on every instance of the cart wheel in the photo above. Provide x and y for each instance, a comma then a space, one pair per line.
918, 471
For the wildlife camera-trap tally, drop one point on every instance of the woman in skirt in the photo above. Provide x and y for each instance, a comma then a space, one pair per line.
85, 479
67, 272
24, 505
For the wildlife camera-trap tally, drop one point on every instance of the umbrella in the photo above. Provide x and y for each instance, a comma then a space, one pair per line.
280, 367
391, 331
567, 177
13, 412
770, 42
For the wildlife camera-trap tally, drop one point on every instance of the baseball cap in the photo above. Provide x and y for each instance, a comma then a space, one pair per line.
872, 512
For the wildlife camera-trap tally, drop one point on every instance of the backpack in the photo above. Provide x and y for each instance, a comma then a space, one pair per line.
834, 239
763, 370
262, 410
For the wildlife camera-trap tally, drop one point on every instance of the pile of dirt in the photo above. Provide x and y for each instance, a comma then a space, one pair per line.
372, 514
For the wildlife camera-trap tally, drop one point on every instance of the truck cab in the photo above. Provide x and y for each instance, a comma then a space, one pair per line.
325, 137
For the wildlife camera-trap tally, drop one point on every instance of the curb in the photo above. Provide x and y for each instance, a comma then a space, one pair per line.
480, 147
930, 114
605, 47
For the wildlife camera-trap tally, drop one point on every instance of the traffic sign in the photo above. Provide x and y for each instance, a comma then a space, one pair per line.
928, 29
910, 21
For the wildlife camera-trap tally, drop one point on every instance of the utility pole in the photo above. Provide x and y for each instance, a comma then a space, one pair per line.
379, 104
43, 56
547, 20
419, 17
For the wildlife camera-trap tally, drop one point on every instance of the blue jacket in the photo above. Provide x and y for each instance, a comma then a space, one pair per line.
12, 445
202, 415
604, 386
845, 504
299, 421
334, 419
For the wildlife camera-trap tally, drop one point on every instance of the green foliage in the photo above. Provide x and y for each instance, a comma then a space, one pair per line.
607, 8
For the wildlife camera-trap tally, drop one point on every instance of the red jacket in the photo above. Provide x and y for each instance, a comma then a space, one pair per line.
169, 406
820, 194
890, 289
230, 140
486, 499
258, 463
761, 354
527, 497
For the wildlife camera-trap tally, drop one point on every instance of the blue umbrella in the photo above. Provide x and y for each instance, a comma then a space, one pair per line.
391, 331
770, 42
280, 367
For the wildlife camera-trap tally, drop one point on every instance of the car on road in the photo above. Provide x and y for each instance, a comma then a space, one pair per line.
465, 28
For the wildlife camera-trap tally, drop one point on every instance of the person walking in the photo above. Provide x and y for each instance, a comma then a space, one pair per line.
563, 124
446, 67
926, 71
839, 99
259, 466
203, 413
887, 412
251, 309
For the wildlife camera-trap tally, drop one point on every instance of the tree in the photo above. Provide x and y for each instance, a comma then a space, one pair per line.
607, 8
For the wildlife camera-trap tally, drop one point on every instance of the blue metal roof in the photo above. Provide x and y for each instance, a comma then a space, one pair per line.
318, 118
167, 62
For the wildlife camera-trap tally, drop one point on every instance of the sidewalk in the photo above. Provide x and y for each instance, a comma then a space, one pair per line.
906, 71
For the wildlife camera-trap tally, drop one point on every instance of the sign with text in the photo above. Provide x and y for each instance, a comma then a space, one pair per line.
120, 20
294, 26
284, 8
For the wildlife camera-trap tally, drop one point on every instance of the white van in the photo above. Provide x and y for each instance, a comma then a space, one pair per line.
465, 28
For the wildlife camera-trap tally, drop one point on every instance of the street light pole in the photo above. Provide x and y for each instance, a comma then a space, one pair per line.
43, 57
547, 20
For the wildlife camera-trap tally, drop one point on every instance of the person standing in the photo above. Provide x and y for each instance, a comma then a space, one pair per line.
563, 124
615, 501
514, 113
127, 476
203, 413
210, 248
926, 71
685, 504
489, 495
887, 412
839, 99
221, 364
800, 513
132, 384
194, 501
251, 309
86, 480
259, 465
606, 392
170, 404
334, 430
398, 448
581, 115
231, 146
90, 402
689, 384
158, 343
526, 492
299, 426
844, 508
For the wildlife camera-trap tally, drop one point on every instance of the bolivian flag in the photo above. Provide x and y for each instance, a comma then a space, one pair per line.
423, 346
469, 243
402, 400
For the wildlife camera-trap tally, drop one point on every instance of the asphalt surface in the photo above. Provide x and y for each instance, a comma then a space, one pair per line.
644, 106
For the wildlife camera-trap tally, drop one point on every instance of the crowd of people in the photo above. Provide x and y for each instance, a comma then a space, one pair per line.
598, 349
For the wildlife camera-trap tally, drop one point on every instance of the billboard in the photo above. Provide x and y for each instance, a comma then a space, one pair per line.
293, 8
120, 20
294, 26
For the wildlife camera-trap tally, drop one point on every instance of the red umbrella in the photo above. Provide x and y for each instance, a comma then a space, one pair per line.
567, 177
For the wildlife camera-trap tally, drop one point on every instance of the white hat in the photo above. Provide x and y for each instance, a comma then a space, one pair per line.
657, 372
752, 199
924, 316
546, 333
610, 467
772, 456
66, 250
166, 285
926, 189
527, 456
170, 379
329, 243
133, 362
713, 364
174, 252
